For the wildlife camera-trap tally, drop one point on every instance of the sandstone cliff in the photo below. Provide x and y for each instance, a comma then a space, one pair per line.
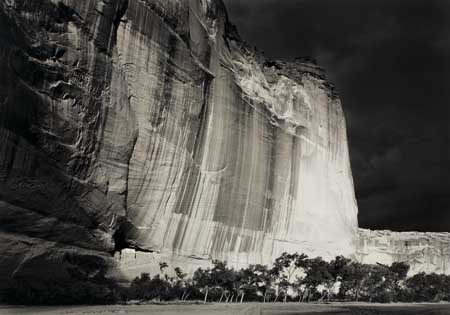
425, 252
148, 124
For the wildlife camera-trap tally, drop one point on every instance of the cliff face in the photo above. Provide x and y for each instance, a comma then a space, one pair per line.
425, 252
67, 133
148, 124
235, 158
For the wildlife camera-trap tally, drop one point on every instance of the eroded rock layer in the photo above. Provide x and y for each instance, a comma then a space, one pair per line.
425, 252
149, 124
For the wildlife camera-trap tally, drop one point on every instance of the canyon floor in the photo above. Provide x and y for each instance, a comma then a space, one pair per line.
246, 308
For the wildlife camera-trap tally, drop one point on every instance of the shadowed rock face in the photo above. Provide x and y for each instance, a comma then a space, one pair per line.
67, 133
148, 124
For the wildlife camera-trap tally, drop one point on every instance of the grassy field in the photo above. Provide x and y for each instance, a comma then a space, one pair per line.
245, 309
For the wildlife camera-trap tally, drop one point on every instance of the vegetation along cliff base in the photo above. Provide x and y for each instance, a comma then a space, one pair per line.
292, 278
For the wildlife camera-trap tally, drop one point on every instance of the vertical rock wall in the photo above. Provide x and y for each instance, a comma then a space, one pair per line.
148, 124
236, 158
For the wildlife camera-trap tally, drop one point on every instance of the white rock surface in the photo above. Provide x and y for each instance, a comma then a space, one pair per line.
425, 252
235, 159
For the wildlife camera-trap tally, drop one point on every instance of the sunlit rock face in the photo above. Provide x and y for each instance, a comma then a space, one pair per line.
236, 158
425, 252
148, 124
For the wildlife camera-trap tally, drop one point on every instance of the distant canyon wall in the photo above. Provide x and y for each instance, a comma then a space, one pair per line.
425, 252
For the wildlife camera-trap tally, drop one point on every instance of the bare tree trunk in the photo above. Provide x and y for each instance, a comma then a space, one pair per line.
206, 294
182, 297
242, 297
231, 300
221, 296
276, 298
285, 298
322, 297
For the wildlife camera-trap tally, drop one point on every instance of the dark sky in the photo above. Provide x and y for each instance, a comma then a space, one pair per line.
390, 61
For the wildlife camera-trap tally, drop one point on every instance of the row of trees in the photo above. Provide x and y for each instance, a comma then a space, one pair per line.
295, 277
292, 277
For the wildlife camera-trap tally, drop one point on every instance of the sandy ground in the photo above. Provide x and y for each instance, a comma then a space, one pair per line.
244, 309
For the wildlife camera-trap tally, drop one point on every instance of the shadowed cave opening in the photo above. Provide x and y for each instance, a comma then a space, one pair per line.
120, 237
125, 238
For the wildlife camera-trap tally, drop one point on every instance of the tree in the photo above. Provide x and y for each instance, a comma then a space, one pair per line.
317, 272
256, 280
400, 270
223, 279
202, 280
162, 266
375, 284
336, 271
397, 274
249, 279
353, 277
146, 288
180, 274
181, 283
264, 281
428, 287
284, 269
